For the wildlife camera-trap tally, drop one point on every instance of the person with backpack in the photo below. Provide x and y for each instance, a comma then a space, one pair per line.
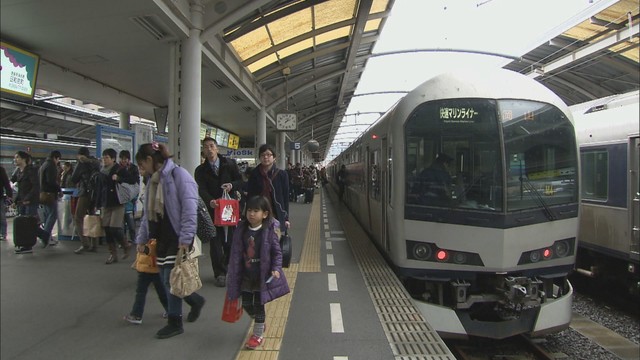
87, 167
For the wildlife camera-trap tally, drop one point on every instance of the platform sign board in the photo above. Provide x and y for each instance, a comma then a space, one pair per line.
19, 71
108, 137
295, 145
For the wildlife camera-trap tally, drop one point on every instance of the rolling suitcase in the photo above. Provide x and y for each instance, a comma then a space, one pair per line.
25, 229
308, 195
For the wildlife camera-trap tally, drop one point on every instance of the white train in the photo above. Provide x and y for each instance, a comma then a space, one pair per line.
485, 249
609, 235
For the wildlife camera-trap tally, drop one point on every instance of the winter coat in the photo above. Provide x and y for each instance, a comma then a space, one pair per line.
209, 184
48, 177
28, 185
180, 193
279, 193
108, 197
270, 260
81, 174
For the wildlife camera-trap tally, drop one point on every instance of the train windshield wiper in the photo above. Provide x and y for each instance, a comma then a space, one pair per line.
537, 197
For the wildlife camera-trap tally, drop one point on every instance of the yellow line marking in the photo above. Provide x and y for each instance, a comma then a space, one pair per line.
310, 259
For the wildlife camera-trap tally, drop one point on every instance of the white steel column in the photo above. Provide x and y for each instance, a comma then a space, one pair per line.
292, 156
261, 128
124, 121
174, 109
282, 158
191, 92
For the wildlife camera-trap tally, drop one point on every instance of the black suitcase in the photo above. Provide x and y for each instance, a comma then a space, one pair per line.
308, 195
25, 229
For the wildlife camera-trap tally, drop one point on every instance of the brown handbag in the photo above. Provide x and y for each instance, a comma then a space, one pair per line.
48, 198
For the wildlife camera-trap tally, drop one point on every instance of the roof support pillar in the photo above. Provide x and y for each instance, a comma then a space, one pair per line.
282, 158
124, 121
261, 130
191, 97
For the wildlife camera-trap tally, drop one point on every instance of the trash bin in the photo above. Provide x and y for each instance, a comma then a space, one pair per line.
66, 228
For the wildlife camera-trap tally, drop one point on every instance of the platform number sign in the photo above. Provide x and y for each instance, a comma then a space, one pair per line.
295, 146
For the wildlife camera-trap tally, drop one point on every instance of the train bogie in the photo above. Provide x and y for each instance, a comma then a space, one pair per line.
469, 187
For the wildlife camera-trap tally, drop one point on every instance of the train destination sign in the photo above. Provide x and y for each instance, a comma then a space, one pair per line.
458, 115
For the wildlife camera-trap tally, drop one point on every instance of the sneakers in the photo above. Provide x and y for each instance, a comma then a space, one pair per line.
221, 281
254, 341
2, 237
133, 319
23, 250
81, 249
53, 242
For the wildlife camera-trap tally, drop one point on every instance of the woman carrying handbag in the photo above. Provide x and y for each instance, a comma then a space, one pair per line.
168, 183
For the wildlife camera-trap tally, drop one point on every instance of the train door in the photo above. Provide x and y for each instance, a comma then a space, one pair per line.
383, 168
634, 190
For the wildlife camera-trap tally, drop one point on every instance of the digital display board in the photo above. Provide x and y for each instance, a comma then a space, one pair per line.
19, 71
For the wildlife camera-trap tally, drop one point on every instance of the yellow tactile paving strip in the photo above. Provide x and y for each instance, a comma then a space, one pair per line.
278, 310
310, 258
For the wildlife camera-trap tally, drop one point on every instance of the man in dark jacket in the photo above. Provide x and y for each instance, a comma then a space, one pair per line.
26, 177
49, 191
86, 166
5, 199
215, 175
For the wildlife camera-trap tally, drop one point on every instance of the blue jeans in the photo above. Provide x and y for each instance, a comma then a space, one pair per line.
144, 280
49, 216
130, 225
175, 303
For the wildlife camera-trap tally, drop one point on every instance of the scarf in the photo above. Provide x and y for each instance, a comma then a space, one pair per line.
155, 199
266, 183
106, 169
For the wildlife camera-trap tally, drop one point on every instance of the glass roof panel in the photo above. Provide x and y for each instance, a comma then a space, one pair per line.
333, 11
290, 26
267, 60
299, 46
372, 25
252, 43
333, 34
378, 6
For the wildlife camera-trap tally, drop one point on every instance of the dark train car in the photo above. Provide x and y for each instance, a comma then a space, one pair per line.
608, 134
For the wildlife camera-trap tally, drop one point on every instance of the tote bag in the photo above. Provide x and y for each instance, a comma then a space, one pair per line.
92, 226
126, 192
227, 213
185, 275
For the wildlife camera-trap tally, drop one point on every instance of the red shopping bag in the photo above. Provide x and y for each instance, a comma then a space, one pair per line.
227, 213
232, 310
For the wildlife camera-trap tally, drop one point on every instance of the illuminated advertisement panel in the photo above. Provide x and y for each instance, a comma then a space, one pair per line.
234, 141
19, 71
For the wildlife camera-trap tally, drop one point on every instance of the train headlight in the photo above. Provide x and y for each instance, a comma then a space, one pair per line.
422, 251
561, 248
534, 256
460, 258
547, 253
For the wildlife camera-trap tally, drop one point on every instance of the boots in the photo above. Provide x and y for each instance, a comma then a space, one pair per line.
94, 245
196, 301
173, 328
113, 254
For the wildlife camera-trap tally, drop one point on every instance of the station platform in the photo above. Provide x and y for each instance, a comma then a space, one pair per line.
345, 304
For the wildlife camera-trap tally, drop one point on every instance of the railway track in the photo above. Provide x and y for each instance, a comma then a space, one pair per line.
513, 348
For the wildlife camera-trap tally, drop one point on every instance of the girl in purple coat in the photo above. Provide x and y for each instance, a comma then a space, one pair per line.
255, 265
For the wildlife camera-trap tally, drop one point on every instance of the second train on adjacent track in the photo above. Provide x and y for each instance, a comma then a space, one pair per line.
486, 252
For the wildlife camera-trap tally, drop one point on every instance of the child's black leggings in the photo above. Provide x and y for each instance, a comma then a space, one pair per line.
251, 304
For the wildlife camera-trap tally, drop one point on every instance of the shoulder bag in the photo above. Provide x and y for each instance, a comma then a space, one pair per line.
126, 192
185, 275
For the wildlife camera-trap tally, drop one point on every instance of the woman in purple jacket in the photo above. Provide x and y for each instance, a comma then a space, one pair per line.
168, 184
255, 265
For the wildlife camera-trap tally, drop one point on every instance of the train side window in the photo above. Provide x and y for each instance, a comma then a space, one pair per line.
595, 181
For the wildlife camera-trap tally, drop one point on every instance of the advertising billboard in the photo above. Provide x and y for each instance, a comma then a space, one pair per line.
19, 71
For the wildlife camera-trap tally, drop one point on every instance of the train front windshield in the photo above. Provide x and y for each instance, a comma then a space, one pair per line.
454, 156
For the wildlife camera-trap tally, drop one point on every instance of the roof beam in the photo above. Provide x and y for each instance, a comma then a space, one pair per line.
607, 42
303, 87
212, 30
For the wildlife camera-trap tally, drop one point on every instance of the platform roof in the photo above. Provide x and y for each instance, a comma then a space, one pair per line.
302, 56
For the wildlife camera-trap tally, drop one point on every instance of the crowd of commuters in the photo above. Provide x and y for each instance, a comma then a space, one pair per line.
246, 258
